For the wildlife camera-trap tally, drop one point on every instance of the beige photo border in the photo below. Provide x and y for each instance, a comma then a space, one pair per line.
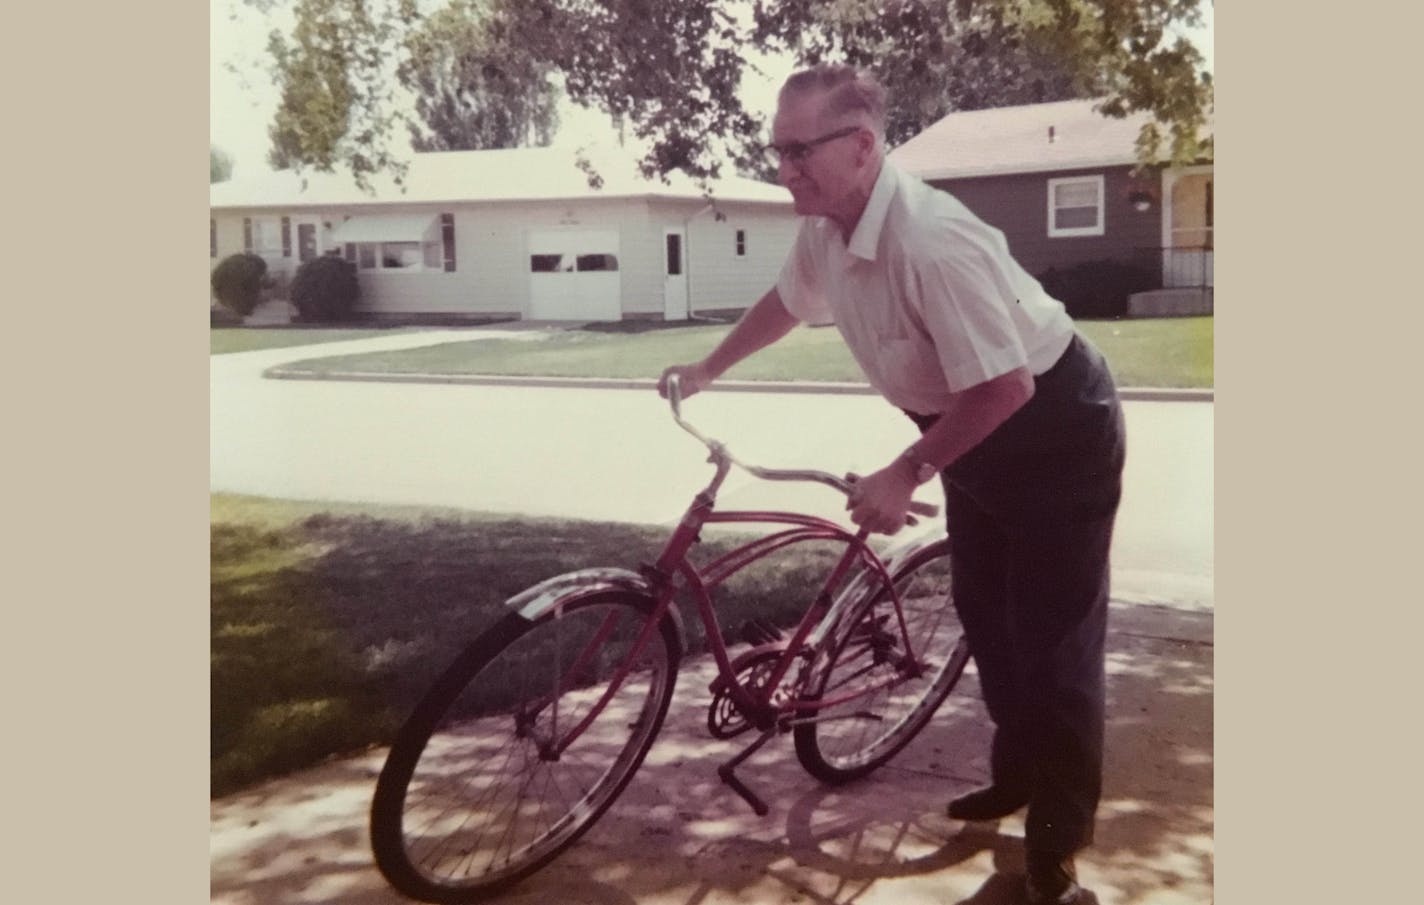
106, 666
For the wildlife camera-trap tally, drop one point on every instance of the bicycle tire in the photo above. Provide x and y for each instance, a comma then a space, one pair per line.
466, 736
863, 649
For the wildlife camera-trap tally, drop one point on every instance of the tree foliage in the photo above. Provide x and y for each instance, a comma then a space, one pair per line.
335, 81
473, 88
671, 72
219, 165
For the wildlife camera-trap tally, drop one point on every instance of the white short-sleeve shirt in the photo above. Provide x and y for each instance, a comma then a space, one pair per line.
925, 293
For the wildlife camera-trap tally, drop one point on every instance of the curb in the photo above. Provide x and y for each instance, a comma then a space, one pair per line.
1129, 394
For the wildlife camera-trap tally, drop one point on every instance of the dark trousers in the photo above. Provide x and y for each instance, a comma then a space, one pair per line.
1030, 515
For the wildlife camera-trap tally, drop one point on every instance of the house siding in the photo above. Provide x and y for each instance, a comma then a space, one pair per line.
492, 257
719, 279
1018, 206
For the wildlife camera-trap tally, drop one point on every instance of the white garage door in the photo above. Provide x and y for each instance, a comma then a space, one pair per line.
574, 274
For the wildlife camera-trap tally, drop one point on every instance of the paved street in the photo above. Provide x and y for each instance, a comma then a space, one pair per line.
616, 454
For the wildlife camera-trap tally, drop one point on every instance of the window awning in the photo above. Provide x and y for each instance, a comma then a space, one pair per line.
386, 228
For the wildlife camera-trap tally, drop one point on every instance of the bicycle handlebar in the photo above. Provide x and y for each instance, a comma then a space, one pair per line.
719, 451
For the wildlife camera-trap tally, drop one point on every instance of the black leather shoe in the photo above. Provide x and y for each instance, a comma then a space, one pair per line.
987, 804
1052, 881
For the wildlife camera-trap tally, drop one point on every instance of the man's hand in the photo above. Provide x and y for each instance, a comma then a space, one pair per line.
881, 501
692, 379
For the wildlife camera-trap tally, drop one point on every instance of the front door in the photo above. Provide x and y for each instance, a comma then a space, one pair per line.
674, 275
306, 242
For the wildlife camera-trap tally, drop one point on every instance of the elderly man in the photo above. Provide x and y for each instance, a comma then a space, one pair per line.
1018, 416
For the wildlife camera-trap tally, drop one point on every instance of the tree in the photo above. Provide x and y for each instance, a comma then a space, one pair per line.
219, 165
671, 71
335, 85
472, 88
972, 60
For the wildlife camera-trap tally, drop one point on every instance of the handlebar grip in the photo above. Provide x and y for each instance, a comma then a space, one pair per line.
674, 394
928, 510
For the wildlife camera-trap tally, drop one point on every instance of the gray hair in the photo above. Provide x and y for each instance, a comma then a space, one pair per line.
847, 89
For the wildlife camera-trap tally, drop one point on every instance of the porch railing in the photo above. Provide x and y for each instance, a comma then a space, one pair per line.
1180, 268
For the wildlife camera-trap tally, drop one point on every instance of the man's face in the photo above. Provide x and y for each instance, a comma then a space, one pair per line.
825, 174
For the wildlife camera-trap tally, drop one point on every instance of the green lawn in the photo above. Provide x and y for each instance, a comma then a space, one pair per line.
329, 620
1167, 352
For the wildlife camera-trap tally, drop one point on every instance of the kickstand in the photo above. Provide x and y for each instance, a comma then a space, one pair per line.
725, 773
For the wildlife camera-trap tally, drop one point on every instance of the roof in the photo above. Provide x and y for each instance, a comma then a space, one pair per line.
513, 174
1006, 140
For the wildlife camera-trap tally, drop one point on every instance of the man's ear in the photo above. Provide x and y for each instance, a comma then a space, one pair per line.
865, 146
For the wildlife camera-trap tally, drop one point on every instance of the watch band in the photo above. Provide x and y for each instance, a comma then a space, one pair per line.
922, 470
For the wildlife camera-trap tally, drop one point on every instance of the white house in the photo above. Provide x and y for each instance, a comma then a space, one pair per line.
518, 233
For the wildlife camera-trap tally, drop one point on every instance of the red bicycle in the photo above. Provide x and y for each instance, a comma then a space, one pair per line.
534, 730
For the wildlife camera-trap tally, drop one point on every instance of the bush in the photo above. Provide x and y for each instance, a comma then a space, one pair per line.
325, 290
237, 282
1096, 289
222, 316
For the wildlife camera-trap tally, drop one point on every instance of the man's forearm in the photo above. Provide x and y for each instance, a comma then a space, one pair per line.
973, 415
764, 323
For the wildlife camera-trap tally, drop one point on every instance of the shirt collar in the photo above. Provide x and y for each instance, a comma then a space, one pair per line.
866, 238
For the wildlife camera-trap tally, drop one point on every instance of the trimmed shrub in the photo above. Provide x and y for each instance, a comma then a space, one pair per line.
1096, 289
237, 282
325, 290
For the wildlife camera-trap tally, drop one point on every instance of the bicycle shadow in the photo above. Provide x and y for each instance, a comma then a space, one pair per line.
680, 837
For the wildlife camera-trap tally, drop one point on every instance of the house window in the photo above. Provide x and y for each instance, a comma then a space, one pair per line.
212, 238
263, 236
741, 243
674, 254
606, 263
1075, 206
414, 243
565, 263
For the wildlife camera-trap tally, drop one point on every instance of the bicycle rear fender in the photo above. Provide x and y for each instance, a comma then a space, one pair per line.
865, 580
548, 595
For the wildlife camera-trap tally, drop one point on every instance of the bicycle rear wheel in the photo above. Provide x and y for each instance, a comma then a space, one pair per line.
865, 655
477, 792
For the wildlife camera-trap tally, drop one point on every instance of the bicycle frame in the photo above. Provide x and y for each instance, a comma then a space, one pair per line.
659, 583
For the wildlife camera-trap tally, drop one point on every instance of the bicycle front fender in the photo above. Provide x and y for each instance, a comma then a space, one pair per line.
548, 595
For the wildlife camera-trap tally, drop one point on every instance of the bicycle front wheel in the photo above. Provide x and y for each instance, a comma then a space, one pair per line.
889, 693
519, 747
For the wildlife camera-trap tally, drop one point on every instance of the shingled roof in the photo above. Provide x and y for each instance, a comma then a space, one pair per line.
1033, 138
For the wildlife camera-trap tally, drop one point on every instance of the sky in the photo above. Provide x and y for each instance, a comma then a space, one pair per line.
241, 103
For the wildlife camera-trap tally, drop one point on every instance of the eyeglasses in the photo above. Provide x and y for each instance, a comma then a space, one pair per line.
797, 152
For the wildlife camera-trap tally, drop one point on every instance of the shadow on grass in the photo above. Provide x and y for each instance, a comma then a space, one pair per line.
679, 836
326, 631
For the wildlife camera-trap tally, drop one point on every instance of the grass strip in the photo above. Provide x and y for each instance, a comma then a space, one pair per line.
330, 620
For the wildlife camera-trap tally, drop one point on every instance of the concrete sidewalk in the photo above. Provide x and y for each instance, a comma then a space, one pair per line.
679, 837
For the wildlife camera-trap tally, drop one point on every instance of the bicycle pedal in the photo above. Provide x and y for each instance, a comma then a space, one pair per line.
759, 631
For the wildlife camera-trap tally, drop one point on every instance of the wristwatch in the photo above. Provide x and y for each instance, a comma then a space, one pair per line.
922, 470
